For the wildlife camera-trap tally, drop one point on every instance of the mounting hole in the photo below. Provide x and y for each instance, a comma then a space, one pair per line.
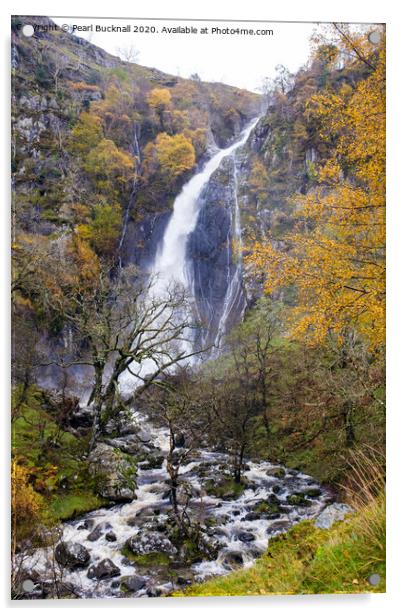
374, 579
28, 30
374, 37
28, 585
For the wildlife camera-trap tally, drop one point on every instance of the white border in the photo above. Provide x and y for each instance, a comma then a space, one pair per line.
317, 10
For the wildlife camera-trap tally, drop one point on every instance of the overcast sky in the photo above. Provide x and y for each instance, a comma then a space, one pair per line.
239, 60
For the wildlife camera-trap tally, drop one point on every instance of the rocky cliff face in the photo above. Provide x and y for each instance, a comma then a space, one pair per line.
213, 255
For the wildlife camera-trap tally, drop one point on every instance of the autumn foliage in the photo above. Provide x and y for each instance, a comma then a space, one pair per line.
334, 256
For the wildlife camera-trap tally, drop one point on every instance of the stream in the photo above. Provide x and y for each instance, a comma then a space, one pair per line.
240, 529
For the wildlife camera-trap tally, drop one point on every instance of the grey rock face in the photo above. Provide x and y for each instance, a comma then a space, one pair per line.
331, 514
146, 543
211, 253
104, 570
116, 472
72, 555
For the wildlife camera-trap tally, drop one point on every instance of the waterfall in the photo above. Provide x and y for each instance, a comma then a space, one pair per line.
234, 298
171, 264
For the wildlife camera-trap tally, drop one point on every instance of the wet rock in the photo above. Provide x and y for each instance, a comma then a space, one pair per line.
278, 527
86, 524
104, 570
180, 440
298, 499
82, 417
152, 462
233, 560
273, 516
115, 471
110, 536
313, 492
133, 583
331, 514
154, 591
98, 531
251, 516
72, 555
146, 543
270, 507
128, 444
278, 472
246, 537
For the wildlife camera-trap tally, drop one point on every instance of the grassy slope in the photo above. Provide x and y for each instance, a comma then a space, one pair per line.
58, 472
309, 560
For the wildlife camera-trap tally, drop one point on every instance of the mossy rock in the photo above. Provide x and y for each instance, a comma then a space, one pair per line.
279, 473
313, 492
298, 500
226, 489
153, 559
270, 506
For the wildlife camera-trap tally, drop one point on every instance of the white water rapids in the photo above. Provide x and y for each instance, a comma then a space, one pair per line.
242, 532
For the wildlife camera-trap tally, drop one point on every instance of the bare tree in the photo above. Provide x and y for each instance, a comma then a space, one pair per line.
123, 328
174, 403
129, 53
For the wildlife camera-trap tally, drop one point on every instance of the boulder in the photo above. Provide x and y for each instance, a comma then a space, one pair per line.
82, 417
115, 472
277, 472
280, 526
152, 461
180, 440
298, 500
246, 537
87, 524
331, 514
110, 536
233, 560
133, 583
146, 543
72, 555
104, 570
251, 516
313, 492
98, 531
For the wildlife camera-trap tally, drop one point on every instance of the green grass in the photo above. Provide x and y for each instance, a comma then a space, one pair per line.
70, 505
309, 560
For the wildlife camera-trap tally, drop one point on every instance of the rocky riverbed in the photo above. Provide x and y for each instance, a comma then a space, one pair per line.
131, 549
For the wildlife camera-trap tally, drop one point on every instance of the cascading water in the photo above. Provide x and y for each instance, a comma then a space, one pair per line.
234, 298
171, 264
